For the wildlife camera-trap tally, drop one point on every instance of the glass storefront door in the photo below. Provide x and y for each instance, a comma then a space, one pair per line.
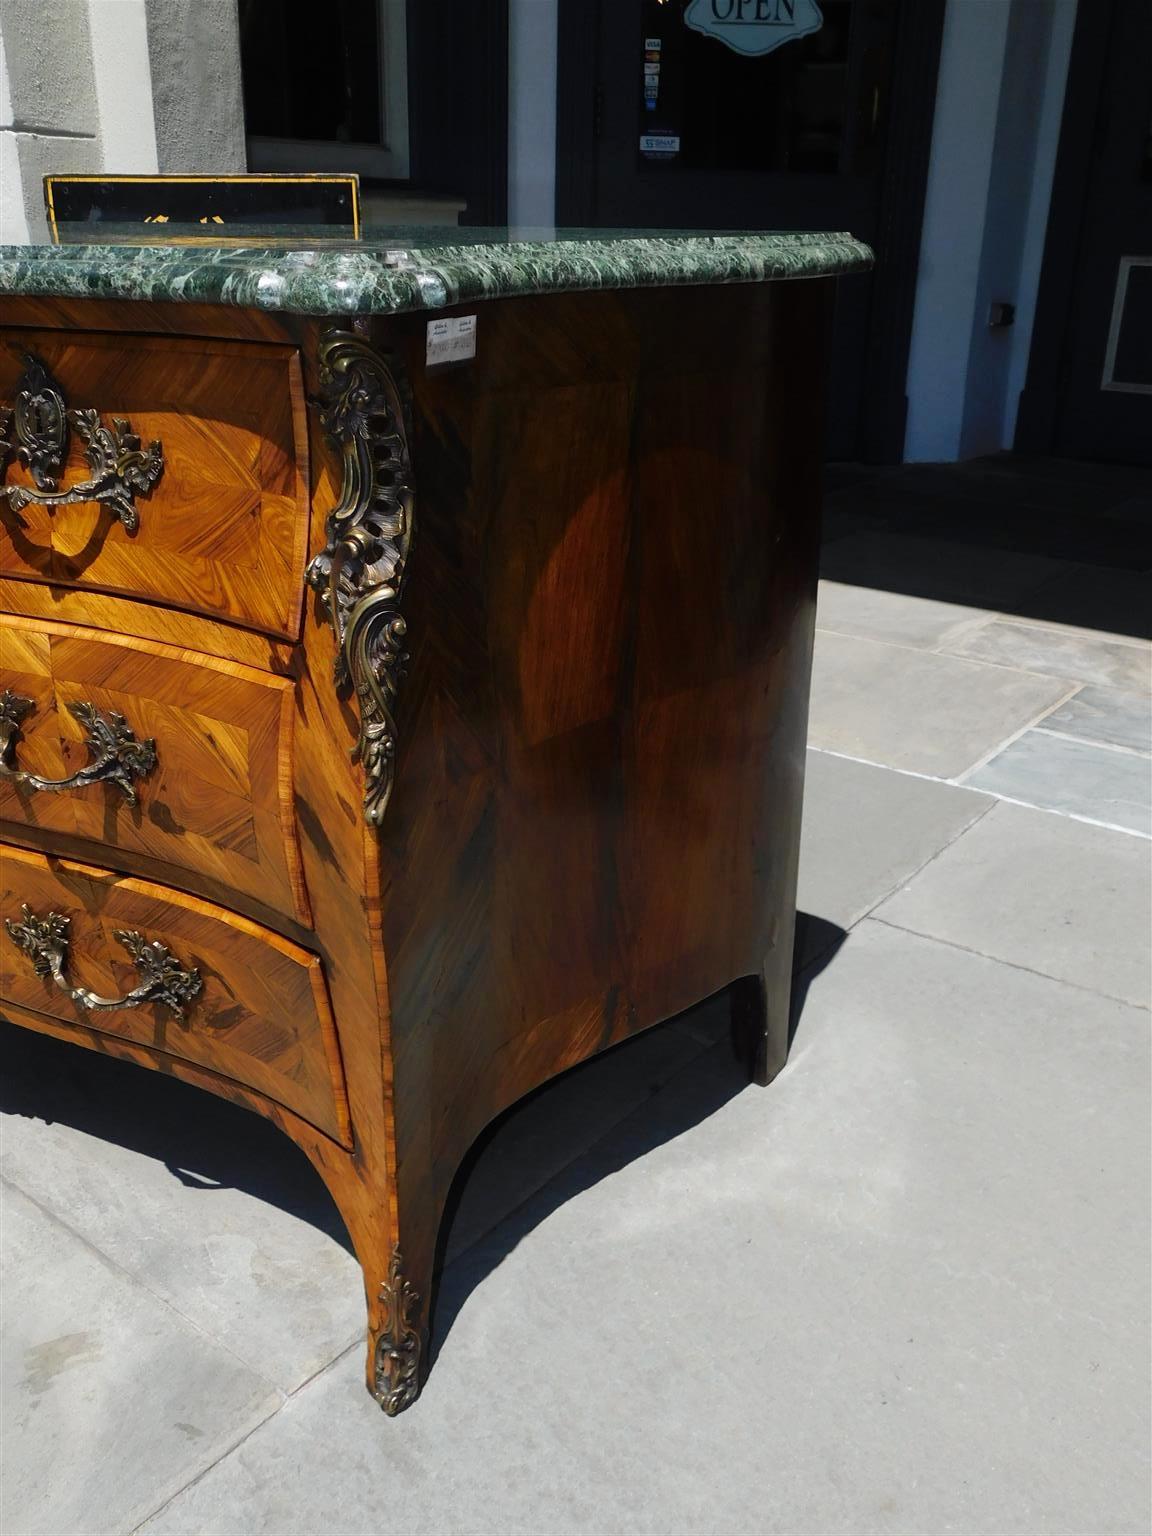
751, 114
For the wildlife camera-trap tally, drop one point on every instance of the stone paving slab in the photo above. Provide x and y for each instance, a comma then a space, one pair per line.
1106, 715
1042, 891
902, 1290
1066, 653
543, 1134
146, 1168
1078, 778
266, 1269
917, 710
866, 831
876, 614
111, 1400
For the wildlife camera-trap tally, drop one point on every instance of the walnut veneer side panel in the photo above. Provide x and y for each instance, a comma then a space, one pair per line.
610, 608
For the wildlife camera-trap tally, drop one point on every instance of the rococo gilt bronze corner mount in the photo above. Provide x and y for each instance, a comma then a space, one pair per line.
396, 1363
360, 573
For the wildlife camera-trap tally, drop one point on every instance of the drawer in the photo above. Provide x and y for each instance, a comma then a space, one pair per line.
213, 795
256, 1009
223, 530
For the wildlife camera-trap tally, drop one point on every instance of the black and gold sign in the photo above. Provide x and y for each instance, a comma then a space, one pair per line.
135, 210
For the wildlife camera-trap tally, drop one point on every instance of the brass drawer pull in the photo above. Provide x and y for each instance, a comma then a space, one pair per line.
117, 757
36, 427
164, 979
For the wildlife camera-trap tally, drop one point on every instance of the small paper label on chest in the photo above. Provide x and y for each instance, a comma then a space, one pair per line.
451, 341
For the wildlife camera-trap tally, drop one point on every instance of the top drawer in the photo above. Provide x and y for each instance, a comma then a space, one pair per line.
222, 530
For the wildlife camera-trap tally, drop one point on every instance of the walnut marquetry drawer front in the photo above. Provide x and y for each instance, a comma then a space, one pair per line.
189, 758
257, 1010
217, 490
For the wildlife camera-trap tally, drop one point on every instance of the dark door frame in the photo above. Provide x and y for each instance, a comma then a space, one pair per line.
1038, 415
904, 183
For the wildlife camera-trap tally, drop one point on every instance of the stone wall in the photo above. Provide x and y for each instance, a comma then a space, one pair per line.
126, 86
199, 106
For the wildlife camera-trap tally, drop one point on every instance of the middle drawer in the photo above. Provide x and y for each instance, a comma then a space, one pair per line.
202, 782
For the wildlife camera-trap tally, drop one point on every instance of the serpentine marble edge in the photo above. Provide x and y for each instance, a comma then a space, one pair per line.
388, 275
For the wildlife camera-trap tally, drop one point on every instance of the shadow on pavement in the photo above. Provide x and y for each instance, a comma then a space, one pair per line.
205, 1142
700, 1088
1054, 541
208, 1143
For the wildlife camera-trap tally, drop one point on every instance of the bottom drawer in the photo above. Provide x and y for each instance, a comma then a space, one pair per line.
181, 976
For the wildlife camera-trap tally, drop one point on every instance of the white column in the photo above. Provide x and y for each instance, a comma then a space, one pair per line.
532, 40
1048, 125
952, 234
999, 103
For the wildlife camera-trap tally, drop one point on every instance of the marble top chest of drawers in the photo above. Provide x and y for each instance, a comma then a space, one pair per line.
378, 739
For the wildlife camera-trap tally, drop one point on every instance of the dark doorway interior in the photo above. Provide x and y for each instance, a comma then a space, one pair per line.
411, 97
829, 131
1089, 389
313, 73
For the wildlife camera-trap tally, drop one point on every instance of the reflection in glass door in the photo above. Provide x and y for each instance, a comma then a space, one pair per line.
792, 110
699, 131
326, 86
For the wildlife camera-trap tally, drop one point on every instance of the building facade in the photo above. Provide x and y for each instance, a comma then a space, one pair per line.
950, 134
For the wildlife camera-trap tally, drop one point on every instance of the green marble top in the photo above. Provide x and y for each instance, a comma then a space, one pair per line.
393, 271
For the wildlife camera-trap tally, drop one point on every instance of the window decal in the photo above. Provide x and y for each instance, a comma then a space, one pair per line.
754, 27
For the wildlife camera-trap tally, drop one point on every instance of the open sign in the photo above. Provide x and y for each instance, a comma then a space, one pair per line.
754, 26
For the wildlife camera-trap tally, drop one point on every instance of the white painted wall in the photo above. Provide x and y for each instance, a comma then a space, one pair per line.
532, 39
1003, 69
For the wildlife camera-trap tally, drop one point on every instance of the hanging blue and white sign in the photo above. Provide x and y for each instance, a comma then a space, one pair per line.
754, 26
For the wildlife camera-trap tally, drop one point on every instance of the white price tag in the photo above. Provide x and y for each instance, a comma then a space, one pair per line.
451, 341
